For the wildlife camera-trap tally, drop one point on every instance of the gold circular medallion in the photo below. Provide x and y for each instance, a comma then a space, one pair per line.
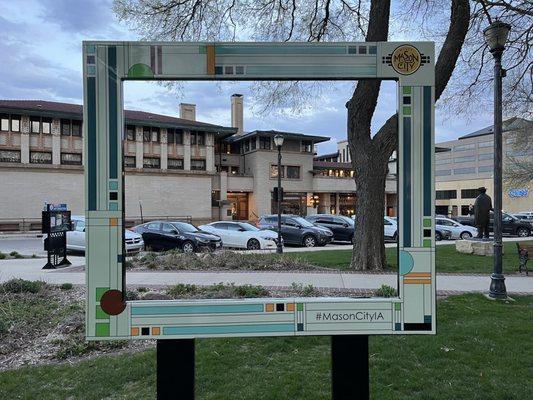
406, 59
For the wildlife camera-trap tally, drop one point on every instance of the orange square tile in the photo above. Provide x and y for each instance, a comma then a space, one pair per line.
269, 307
290, 307
113, 221
134, 331
156, 331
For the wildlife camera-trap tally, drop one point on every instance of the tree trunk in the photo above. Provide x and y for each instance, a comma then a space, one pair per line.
370, 156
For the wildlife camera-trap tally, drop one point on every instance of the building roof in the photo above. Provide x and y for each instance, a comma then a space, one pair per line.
272, 133
508, 125
330, 155
317, 164
75, 111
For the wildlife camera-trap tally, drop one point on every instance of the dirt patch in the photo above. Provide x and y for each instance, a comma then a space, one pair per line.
218, 261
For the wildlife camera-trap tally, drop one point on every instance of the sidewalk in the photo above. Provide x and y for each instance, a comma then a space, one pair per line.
30, 269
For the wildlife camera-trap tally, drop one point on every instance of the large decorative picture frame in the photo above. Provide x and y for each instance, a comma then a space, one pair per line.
109, 316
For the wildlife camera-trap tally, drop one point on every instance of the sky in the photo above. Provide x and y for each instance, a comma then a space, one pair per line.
40, 43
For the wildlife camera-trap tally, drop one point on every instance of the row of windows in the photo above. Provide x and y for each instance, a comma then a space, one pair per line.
452, 194
172, 163
288, 171
337, 173
472, 146
462, 171
265, 143
174, 136
9, 123
40, 157
480, 157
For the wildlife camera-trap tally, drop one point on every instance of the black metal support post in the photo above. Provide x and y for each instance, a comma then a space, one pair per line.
279, 248
497, 284
175, 369
349, 367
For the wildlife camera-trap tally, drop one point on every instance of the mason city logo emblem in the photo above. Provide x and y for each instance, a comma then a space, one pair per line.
406, 59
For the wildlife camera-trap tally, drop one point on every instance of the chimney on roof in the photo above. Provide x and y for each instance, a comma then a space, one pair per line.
237, 120
188, 111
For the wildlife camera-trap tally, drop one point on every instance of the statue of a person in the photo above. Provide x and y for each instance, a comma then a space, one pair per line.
482, 208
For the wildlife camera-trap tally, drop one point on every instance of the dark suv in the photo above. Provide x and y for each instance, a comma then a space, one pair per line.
297, 230
510, 225
167, 235
341, 226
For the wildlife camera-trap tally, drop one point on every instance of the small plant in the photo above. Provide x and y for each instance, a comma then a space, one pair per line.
132, 295
386, 291
66, 286
2, 255
16, 254
34, 256
304, 291
3, 327
22, 286
182, 289
250, 291
142, 289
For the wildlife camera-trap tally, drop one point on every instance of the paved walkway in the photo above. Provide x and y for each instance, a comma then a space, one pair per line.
31, 269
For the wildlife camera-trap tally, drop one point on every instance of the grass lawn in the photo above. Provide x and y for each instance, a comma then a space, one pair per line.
483, 350
448, 260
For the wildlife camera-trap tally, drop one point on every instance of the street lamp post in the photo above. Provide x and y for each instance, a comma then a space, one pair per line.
496, 36
278, 141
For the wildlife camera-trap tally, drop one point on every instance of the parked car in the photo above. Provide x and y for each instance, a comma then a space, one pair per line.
510, 225
458, 231
523, 217
297, 230
242, 235
390, 228
168, 235
76, 237
342, 227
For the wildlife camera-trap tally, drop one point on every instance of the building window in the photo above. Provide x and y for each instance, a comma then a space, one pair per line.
488, 156
198, 165
15, 123
265, 143
274, 171
175, 163
234, 170
464, 147
443, 172
486, 168
198, 138
293, 172
35, 125
461, 171
246, 146
446, 194
4, 122
307, 146
65, 127
469, 193
47, 125
11, 156
253, 144
443, 161
464, 159
174, 136
155, 135
76, 128
70, 159
130, 133
129, 161
151, 162
146, 134
40, 157
486, 144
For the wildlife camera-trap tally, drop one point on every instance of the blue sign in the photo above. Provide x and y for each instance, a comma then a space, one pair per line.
518, 192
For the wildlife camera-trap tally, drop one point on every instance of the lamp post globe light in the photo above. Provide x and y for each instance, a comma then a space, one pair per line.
278, 141
496, 37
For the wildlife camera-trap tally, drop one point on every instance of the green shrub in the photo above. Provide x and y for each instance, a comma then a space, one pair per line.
182, 289
132, 295
16, 254
304, 291
250, 291
2, 255
386, 291
22, 286
142, 289
66, 286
